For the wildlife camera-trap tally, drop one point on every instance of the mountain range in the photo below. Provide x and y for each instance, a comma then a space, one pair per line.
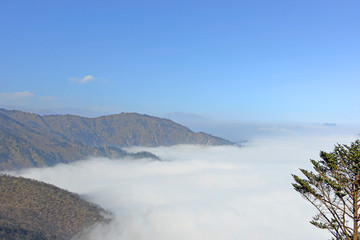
32, 140
34, 210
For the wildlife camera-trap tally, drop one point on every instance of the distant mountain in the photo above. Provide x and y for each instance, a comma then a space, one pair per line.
184, 117
29, 139
35, 210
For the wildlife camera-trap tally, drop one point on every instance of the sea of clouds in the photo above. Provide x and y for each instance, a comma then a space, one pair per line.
200, 192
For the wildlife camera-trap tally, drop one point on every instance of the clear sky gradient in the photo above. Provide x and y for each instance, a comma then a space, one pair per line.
258, 60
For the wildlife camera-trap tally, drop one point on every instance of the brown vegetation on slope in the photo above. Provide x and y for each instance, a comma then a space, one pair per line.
32, 140
42, 211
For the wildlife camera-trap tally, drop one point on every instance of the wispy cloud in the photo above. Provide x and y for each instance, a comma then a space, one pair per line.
14, 98
16, 95
28, 101
85, 79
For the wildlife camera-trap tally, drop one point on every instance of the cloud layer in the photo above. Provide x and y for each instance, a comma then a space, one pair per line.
204, 193
85, 79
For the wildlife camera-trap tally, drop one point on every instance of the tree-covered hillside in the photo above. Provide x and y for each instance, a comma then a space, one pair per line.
29, 140
31, 209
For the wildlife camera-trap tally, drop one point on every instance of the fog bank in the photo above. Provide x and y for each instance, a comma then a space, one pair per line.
238, 131
197, 192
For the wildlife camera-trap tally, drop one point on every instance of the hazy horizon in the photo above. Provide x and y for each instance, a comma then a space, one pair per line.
240, 131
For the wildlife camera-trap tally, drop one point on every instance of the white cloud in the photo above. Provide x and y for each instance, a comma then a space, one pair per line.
16, 96
11, 99
85, 79
200, 192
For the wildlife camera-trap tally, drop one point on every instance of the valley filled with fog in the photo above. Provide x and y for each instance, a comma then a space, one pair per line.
200, 192
228, 99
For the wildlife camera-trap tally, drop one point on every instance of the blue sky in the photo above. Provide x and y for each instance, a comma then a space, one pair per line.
256, 60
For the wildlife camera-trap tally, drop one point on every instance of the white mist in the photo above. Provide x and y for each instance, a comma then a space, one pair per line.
203, 193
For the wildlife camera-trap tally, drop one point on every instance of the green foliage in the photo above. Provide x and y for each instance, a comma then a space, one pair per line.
334, 190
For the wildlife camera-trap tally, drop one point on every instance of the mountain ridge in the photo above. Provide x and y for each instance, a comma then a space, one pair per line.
30, 139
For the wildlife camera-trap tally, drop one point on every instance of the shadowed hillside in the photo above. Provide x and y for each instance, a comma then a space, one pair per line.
32, 140
31, 209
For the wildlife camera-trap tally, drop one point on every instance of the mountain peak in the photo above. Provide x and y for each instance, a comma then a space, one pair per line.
29, 139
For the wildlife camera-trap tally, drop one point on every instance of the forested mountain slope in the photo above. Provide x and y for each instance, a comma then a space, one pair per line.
29, 139
33, 210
